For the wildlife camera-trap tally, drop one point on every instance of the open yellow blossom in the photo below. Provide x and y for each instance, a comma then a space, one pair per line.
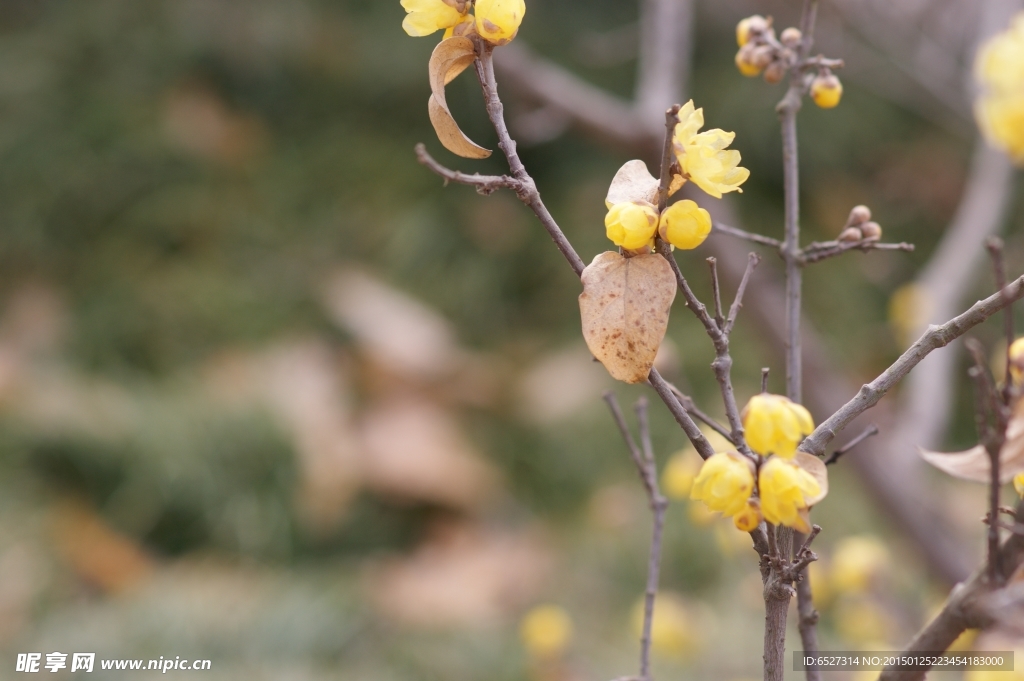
1018, 484
785, 489
631, 225
1017, 360
1000, 108
685, 225
775, 425
497, 21
724, 483
826, 91
703, 156
427, 16
546, 631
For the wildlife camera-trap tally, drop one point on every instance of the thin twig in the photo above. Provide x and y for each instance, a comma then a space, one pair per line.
485, 184
646, 465
716, 293
823, 250
996, 251
864, 435
749, 236
752, 261
690, 406
764, 379
936, 337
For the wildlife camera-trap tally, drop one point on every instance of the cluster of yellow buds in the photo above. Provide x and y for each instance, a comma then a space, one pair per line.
1000, 70
859, 226
496, 21
785, 487
762, 54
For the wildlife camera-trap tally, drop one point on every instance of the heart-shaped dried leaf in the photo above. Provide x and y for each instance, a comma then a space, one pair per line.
633, 182
816, 467
450, 58
624, 307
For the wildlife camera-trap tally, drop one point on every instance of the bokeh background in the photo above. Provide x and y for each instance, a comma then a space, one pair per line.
270, 395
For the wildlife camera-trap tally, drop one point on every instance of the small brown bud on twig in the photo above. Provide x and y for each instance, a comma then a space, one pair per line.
859, 215
851, 234
872, 231
791, 37
775, 72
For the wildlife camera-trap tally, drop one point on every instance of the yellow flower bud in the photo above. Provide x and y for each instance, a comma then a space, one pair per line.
631, 225
775, 425
724, 483
749, 516
748, 28
746, 61
427, 16
685, 225
497, 21
545, 631
791, 37
785, 489
826, 91
1018, 484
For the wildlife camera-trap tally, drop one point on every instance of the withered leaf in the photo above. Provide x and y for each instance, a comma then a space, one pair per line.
624, 308
633, 182
973, 464
816, 467
450, 58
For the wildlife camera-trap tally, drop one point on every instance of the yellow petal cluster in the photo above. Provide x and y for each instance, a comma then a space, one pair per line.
497, 21
1000, 70
775, 425
1017, 360
785, 489
1018, 484
685, 225
427, 16
631, 225
703, 156
749, 517
826, 91
724, 483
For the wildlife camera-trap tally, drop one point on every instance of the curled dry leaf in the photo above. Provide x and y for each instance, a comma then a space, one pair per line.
633, 182
624, 307
974, 464
816, 467
450, 58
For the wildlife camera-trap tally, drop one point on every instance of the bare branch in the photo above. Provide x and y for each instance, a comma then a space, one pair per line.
749, 236
823, 250
864, 435
752, 262
485, 184
716, 293
936, 337
995, 250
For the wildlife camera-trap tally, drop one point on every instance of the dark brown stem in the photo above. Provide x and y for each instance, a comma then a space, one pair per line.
996, 251
753, 260
485, 184
667, 154
823, 250
692, 408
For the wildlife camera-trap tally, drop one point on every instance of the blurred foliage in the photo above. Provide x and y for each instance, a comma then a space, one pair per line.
186, 174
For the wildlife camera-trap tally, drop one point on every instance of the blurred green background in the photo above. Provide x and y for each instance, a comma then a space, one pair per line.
271, 396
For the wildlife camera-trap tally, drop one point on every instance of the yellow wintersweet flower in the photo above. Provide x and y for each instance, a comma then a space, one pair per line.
703, 157
546, 631
724, 483
497, 21
631, 225
826, 91
999, 68
1017, 360
1018, 484
685, 225
785, 489
775, 425
427, 16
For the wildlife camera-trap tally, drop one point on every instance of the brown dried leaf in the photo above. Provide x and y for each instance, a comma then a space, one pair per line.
633, 182
973, 464
624, 308
450, 58
816, 467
